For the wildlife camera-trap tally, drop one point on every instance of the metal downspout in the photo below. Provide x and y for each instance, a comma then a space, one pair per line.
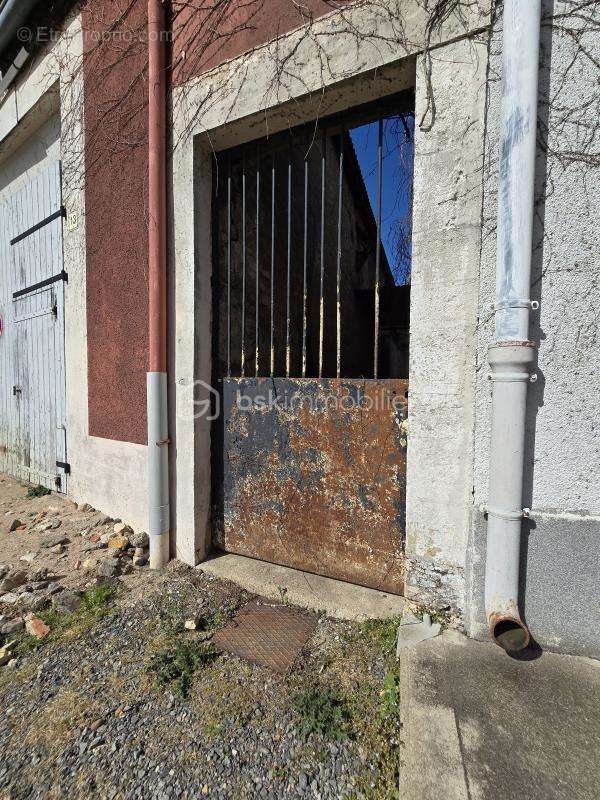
158, 432
13, 14
512, 354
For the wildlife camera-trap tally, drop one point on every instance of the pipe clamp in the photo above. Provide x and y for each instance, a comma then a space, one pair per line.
518, 302
501, 513
511, 377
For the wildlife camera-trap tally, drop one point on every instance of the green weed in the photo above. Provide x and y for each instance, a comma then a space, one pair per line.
175, 664
322, 711
38, 491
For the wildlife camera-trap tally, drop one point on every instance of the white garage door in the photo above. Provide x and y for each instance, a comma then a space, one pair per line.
32, 362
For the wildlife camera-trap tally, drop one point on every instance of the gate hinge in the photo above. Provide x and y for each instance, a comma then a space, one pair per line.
65, 466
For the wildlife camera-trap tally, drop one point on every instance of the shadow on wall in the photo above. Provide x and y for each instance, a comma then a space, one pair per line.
535, 395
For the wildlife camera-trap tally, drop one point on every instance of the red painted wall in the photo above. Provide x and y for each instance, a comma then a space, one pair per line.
116, 167
214, 31
116, 164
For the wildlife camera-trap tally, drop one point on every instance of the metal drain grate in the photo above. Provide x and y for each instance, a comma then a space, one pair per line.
266, 635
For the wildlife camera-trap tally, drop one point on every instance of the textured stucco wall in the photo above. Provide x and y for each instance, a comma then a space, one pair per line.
445, 267
329, 71
116, 170
207, 33
560, 567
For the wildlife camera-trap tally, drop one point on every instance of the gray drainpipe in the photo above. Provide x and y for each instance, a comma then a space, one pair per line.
13, 15
512, 354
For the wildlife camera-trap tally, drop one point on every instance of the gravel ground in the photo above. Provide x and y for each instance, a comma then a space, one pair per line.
90, 712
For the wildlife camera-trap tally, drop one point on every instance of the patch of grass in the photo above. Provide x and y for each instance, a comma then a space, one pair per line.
441, 615
38, 491
381, 633
390, 694
283, 598
53, 724
94, 605
175, 664
95, 601
322, 711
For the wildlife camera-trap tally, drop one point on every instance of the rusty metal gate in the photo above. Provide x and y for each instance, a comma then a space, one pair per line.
32, 361
312, 296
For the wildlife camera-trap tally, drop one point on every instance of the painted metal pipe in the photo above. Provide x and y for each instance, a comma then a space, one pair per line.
13, 15
158, 429
512, 355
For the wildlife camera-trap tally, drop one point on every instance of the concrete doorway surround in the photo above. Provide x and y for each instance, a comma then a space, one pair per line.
336, 598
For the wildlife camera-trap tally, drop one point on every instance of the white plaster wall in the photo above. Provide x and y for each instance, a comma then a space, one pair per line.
110, 475
445, 276
563, 448
559, 569
240, 101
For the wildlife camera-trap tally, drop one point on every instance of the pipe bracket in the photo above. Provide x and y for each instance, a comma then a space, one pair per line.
502, 513
511, 377
518, 302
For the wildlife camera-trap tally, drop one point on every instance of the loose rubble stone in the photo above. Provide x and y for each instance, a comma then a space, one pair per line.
39, 574
108, 569
89, 548
4, 570
58, 548
89, 565
67, 602
139, 539
10, 598
140, 561
12, 626
5, 655
104, 520
16, 523
118, 543
54, 588
51, 541
36, 627
122, 529
12, 580
84, 507
33, 601
28, 557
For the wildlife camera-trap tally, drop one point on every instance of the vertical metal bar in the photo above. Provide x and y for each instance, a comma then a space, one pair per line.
338, 302
243, 355
257, 279
289, 270
304, 268
273, 268
322, 280
229, 267
378, 248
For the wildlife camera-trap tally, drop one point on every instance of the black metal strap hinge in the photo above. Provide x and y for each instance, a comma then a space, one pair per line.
62, 212
65, 466
62, 276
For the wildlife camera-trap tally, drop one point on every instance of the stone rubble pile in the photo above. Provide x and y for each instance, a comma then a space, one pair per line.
112, 548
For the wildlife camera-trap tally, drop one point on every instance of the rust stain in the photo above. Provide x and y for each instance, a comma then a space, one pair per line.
318, 481
270, 636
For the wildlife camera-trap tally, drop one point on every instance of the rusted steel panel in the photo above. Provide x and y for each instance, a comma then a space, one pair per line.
314, 476
268, 636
